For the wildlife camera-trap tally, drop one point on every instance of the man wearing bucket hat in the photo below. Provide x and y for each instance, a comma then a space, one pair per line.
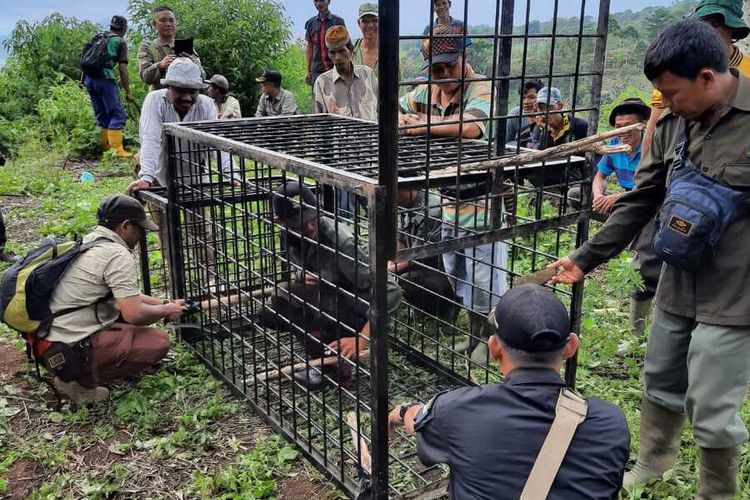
274, 99
725, 16
180, 101
226, 105
107, 327
347, 89
328, 301
491, 436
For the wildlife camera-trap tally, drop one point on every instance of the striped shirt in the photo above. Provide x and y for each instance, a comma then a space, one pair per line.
476, 98
315, 34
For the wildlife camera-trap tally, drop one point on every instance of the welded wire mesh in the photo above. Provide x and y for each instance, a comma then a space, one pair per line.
274, 306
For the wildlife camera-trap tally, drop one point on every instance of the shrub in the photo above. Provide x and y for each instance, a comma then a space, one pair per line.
67, 119
236, 38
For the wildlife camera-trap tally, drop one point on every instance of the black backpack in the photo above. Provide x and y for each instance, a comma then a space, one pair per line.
94, 58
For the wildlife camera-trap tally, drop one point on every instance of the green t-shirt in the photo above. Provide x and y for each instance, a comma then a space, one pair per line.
117, 52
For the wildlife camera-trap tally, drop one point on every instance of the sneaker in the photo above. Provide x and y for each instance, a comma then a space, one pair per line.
80, 394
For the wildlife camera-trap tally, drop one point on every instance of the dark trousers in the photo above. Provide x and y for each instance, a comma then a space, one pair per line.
105, 98
318, 314
122, 351
2, 233
646, 262
429, 290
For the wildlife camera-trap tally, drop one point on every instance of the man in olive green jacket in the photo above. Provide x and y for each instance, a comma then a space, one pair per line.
697, 359
155, 56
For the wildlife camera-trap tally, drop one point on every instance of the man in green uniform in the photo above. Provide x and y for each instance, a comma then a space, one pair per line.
155, 56
698, 351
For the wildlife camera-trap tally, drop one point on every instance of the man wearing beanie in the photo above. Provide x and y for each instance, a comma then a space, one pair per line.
105, 333
492, 436
347, 89
102, 86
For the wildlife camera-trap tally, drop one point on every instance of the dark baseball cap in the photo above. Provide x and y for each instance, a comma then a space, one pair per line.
531, 318
270, 76
294, 212
120, 207
118, 23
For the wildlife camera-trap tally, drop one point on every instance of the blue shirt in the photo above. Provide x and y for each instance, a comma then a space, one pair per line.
622, 164
490, 437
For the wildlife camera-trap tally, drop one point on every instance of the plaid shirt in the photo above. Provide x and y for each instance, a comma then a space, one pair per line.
315, 33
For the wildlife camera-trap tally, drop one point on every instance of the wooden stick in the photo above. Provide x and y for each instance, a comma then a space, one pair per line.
359, 442
291, 369
567, 149
234, 299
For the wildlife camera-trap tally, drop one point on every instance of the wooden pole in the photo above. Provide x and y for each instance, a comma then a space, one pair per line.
360, 445
291, 369
583, 145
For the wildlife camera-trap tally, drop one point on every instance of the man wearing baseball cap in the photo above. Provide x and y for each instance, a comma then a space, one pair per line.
226, 105
274, 99
327, 303
491, 436
366, 50
107, 318
102, 87
476, 273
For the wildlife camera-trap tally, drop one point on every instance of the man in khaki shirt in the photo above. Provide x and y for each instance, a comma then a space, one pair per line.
698, 350
155, 56
100, 287
348, 89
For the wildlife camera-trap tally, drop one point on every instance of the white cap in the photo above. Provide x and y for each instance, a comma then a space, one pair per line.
183, 73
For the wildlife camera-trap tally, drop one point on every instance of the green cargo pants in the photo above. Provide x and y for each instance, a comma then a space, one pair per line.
702, 370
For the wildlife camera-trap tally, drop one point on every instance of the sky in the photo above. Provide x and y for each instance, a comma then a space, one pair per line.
414, 13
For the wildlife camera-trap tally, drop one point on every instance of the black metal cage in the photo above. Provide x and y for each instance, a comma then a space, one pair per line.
407, 236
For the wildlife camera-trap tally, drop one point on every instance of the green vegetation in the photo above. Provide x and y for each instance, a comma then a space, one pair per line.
180, 430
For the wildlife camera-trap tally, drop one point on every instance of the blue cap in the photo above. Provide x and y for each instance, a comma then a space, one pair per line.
551, 93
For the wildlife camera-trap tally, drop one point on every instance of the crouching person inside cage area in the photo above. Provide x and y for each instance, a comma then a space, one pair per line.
326, 305
100, 330
477, 273
528, 437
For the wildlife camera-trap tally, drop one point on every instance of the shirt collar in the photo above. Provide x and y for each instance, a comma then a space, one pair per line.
327, 18
534, 376
158, 43
565, 128
436, 92
337, 75
103, 232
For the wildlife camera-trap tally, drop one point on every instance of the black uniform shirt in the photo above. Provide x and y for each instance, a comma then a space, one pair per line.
490, 437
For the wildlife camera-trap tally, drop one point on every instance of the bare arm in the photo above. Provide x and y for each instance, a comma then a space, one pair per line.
309, 60
394, 418
599, 185
136, 311
655, 114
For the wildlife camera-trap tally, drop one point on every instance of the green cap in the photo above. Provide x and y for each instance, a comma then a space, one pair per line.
368, 9
730, 10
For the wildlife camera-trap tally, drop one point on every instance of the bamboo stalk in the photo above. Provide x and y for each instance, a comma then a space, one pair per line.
234, 299
582, 145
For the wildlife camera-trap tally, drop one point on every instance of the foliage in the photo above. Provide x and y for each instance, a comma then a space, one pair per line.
252, 474
67, 120
40, 55
292, 64
233, 37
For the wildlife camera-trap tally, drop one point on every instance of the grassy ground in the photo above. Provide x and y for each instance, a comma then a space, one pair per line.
178, 433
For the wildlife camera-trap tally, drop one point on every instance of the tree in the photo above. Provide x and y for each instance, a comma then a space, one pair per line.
235, 38
660, 18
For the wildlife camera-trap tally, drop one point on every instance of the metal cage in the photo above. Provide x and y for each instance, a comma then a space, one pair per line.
274, 314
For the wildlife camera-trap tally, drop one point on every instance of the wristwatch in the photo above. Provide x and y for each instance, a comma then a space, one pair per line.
404, 408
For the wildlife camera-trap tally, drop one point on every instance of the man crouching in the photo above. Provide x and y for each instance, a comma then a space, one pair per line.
108, 328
